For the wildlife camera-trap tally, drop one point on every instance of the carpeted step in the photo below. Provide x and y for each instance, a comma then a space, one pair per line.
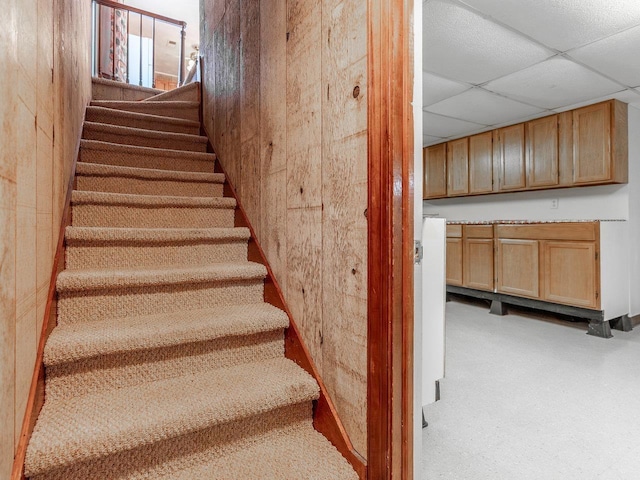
93, 427
94, 295
144, 181
95, 247
96, 356
175, 109
143, 138
104, 89
188, 93
101, 209
92, 151
141, 120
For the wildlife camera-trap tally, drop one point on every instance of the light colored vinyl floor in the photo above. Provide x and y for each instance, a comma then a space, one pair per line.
528, 397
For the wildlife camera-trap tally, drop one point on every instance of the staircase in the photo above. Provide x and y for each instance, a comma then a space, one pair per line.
166, 362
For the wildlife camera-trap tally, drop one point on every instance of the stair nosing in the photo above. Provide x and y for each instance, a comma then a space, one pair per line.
88, 197
103, 146
69, 343
142, 132
82, 235
139, 415
100, 278
93, 169
142, 116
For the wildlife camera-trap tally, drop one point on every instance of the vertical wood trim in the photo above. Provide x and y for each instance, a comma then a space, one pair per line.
390, 241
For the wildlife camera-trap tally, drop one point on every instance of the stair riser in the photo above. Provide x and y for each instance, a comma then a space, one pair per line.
134, 368
91, 215
159, 126
117, 92
141, 186
126, 159
142, 141
156, 108
127, 254
165, 458
95, 305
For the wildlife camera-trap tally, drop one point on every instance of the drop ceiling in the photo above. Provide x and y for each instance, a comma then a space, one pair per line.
490, 63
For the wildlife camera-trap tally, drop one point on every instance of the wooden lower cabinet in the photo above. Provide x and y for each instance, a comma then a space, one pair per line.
518, 267
454, 261
478, 263
570, 274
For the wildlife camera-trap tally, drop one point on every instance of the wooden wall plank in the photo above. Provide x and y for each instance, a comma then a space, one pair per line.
231, 157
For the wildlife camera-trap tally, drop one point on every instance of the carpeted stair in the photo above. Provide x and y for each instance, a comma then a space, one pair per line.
166, 362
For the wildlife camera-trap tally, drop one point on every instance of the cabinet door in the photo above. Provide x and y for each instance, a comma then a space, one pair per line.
570, 273
435, 171
478, 263
458, 167
542, 152
481, 163
518, 267
454, 261
511, 158
592, 143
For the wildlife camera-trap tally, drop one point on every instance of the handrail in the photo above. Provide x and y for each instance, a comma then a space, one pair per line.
96, 60
121, 6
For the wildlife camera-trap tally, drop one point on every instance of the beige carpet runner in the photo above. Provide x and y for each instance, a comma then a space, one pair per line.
166, 362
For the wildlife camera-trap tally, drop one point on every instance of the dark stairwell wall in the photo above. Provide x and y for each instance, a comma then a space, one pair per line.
285, 104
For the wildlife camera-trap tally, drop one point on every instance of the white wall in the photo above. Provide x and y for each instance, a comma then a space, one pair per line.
607, 202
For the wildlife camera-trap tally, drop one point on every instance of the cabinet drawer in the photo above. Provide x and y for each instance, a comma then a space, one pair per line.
454, 231
550, 231
478, 231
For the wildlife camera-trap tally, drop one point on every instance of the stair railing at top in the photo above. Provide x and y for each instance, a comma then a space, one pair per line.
115, 46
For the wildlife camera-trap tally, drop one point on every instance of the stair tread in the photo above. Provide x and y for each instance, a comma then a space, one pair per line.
75, 235
75, 342
172, 93
141, 132
140, 116
297, 451
94, 279
140, 150
79, 197
116, 103
101, 169
97, 425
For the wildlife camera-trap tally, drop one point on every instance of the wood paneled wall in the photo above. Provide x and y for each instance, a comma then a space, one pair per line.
45, 84
285, 103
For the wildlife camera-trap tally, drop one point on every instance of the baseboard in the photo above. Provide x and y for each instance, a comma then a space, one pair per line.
325, 416
36, 397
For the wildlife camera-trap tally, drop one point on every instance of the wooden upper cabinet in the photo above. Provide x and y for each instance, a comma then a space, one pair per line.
435, 171
570, 273
481, 163
458, 167
510, 157
542, 152
600, 143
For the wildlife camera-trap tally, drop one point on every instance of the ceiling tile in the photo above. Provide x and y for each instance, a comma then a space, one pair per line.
483, 107
616, 56
553, 83
630, 96
461, 45
436, 88
439, 126
563, 24
430, 140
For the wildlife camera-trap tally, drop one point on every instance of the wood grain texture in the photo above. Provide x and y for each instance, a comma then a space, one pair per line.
435, 171
570, 273
565, 148
478, 263
522, 280
454, 262
297, 154
586, 231
481, 163
542, 152
458, 167
511, 157
592, 143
